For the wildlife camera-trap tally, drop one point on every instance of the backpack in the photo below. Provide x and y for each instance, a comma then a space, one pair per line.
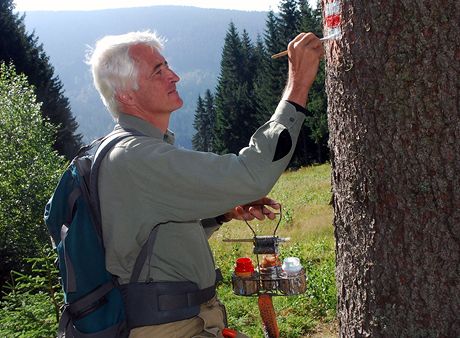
93, 302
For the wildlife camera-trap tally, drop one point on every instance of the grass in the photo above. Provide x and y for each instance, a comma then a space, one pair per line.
307, 219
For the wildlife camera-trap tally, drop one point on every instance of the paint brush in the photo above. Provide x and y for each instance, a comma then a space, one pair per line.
283, 53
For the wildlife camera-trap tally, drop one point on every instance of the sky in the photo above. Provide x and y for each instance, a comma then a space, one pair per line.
57, 5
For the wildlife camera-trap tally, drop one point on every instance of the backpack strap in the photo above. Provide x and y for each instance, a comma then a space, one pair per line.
146, 252
107, 143
79, 308
83, 150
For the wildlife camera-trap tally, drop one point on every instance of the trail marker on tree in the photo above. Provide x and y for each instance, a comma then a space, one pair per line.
332, 18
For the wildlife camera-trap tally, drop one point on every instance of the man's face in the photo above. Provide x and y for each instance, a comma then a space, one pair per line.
156, 92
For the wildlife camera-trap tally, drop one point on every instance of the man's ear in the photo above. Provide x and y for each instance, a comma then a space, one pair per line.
124, 97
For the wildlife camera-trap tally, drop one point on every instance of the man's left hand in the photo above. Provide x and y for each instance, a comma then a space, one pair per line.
258, 209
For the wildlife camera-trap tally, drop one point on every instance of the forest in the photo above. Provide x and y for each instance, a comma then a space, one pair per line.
250, 84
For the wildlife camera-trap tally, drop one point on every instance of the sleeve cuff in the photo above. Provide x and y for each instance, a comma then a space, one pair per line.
221, 219
210, 222
210, 226
298, 107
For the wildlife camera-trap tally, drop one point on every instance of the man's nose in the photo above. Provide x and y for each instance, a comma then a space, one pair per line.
173, 76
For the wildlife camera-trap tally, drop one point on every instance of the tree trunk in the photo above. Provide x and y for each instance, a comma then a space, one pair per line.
393, 111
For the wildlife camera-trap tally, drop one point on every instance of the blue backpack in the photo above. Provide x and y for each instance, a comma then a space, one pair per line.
93, 302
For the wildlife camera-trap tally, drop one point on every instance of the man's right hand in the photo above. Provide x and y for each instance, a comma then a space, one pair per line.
304, 52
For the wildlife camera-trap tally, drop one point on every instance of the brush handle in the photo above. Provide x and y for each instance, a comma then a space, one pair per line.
280, 54
285, 52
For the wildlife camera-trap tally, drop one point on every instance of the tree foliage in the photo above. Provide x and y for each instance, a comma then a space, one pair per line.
204, 123
199, 123
298, 16
251, 84
29, 169
24, 51
235, 111
271, 77
210, 109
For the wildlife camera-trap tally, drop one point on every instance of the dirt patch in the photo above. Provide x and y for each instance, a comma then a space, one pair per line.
325, 330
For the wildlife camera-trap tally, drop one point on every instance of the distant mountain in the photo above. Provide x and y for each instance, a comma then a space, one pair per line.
195, 37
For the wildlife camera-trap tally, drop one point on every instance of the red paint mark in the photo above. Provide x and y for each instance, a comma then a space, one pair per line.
332, 17
333, 21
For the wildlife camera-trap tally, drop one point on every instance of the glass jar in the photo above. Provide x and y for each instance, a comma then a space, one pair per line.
270, 270
293, 281
244, 277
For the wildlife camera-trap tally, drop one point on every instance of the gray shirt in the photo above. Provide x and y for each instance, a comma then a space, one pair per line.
145, 181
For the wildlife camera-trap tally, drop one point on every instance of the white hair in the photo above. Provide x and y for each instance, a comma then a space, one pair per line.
112, 67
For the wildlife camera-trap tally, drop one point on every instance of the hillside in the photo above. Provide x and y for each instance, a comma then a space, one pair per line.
195, 37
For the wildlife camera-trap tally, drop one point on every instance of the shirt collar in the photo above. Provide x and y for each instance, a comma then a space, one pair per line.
127, 121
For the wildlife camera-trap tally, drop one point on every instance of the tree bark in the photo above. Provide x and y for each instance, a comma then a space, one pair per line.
393, 113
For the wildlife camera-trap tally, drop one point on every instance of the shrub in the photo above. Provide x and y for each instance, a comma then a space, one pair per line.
29, 170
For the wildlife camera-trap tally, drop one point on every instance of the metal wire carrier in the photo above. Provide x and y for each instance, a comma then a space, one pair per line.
268, 277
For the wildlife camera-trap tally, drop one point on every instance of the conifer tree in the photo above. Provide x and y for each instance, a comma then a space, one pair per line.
204, 123
24, 51
294, 17
235, 108
272, 75
289, 20
249, 64
273, 72
311, 20
251, 84
210, 110
316, 121
198, 140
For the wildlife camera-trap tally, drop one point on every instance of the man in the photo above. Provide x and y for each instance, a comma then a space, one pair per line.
168, 200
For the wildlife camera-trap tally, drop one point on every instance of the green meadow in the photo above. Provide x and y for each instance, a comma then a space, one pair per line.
306, 218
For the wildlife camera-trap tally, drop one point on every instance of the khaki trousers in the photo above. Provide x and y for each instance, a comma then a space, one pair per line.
209, 323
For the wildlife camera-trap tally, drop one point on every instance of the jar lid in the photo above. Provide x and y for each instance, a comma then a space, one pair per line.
292, 264
244, 264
